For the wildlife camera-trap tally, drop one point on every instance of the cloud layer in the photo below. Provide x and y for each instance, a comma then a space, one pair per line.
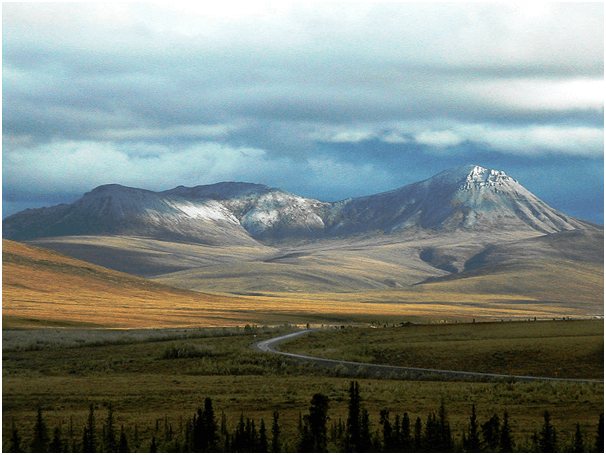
328, 100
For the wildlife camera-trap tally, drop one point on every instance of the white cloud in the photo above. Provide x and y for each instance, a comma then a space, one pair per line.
534, 94
529, 140
537, 140
77, 166
438, 138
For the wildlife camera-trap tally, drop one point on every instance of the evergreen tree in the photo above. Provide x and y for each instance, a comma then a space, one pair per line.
40, 441
276, 445
431, 435
547, 437
123, 445
599, 440
418, 438
505, 439
210, 428
316, 422
57, 445
224, 434
153, 447
86, 442
444, 435
352, 442
136, 441
472, 441
252, 432
262, 438
109, 438
88, 439
365, 435
491, 434
406, 442
306, 440
239, 441
388, 433
15, 441
577, 442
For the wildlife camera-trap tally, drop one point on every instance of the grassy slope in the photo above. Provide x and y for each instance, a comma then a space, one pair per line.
41, 287
566, 349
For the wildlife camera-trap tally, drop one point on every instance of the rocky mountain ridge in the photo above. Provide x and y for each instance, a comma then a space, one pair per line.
464, 198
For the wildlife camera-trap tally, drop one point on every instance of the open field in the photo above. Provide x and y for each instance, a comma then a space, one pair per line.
42, 288
61, 356
150, 381
557, 349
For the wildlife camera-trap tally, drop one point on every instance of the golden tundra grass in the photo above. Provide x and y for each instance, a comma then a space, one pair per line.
44, 288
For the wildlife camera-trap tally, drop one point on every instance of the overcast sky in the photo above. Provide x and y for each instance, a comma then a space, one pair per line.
326, 100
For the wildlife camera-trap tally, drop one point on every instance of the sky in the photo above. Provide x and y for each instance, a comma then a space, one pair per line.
325, 100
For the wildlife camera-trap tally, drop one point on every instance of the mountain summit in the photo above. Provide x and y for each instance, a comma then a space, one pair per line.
469, 198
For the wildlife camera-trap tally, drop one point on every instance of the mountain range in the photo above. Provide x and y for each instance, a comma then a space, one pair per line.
464, 198
466, 223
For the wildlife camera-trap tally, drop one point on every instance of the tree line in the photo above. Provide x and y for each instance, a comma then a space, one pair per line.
316, 432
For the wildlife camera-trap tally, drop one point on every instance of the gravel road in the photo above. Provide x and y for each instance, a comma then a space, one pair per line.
388, 371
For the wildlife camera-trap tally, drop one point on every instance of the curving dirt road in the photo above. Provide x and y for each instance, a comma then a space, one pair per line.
393, 372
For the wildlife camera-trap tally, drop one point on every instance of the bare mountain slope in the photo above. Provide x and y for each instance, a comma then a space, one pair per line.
248, 238
464, 198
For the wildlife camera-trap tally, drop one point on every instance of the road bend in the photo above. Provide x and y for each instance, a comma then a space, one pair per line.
395, 372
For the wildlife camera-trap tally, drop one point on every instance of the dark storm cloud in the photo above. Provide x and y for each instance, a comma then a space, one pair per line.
329, 100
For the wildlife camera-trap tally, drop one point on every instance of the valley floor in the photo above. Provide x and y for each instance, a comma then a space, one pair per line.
157, 378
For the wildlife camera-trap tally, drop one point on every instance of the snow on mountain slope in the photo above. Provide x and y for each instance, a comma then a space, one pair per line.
264, 212
119, 210
469, 198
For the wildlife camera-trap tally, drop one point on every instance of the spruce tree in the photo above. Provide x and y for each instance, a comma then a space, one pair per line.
491, 433
406, 442
89, 444
276, 445
505, 440
109, 440
352, 443
472, 441
209, 425
153, 447
388, 436
57, 444
577, 442
40, 441
316, 422
599, 440
418, 437
15, 441
263, 446
445, 438
547, 437
365, 434
431, 435
123, 444
306, 440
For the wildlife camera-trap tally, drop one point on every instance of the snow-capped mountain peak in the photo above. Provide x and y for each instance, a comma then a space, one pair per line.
480, 177
467, 197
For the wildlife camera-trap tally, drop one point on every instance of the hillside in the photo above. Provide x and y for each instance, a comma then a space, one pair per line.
469, 241
43, 288
467, 198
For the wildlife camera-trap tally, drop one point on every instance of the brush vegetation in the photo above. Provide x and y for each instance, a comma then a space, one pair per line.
150, 381
559, 349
